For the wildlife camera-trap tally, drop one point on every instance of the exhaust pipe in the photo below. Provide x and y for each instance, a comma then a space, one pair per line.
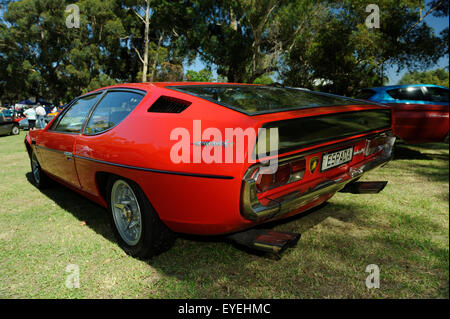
364, 187
265, 240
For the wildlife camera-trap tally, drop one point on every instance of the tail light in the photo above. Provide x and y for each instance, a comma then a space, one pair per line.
286, 173
377, 144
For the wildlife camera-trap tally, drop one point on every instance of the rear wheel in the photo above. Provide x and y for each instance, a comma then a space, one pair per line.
40, 179
135, 223
15, 130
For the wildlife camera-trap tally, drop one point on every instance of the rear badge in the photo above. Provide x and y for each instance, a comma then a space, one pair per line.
213, 143
313, 163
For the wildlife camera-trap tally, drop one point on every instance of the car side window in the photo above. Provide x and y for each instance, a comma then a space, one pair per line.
72, 121
435, 94
410, 93
111, 110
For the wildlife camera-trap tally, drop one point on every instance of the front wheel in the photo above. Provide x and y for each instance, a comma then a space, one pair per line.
135, 223
39, 178
15, 130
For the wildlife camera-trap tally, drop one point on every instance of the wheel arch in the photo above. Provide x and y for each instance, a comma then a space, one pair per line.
102, 178
28, 147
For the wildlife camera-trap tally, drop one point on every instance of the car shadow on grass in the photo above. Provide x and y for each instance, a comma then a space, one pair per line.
83, 209
211, 267
431, 160
97, 219
404, 151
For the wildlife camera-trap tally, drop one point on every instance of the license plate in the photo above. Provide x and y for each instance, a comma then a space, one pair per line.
333, 159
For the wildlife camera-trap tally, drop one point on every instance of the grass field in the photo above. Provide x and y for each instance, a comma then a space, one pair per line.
404, 230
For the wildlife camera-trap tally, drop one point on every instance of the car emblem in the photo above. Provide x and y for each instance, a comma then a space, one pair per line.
313, 163
213, 143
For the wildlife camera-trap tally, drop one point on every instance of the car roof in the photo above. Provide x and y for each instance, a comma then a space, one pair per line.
147, 85
390, 87
166, 84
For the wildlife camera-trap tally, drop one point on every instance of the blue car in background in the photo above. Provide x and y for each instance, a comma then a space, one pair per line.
421, 111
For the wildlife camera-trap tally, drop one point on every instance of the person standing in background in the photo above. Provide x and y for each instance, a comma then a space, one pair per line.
31, 117
40, 112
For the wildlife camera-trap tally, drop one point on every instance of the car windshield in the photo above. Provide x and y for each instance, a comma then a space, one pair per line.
253, 99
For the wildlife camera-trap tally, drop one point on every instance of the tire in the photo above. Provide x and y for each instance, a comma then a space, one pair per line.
15, 130
40, 179
151, 236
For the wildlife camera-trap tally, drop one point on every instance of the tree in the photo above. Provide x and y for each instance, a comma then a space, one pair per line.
152, 28
438, 77
305, 20
321, 44
344, 54
441, 8
245, 39
142, 10
264, 79
53, 60
203, 75
41, 56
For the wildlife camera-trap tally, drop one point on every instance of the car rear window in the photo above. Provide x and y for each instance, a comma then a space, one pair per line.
436, 94
308, 131
254, 100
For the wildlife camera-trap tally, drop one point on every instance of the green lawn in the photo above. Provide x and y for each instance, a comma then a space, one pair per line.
404, 230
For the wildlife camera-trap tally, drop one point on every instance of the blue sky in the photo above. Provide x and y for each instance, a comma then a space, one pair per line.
438, 24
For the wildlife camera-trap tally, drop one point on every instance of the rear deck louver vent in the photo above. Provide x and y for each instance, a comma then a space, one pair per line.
167, 104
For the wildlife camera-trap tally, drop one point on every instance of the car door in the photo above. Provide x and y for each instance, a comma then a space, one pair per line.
436, 113
56, 144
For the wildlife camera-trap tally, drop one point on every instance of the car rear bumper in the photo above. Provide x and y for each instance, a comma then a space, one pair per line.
252, 209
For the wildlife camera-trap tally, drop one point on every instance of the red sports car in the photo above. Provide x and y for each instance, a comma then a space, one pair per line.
208, 158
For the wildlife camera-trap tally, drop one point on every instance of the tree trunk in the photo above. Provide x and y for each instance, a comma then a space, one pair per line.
155, 62
147, 27
231, 77
233, 20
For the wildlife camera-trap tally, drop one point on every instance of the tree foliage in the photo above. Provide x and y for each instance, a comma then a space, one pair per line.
203, 75
346, 55
438, 77
316, 44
